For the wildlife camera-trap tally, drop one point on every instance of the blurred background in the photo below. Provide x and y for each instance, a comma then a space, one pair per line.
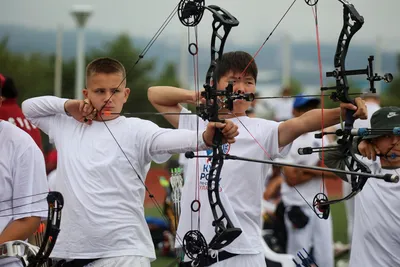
45, 44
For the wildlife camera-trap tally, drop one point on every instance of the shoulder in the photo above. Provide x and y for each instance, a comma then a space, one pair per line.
13, 132
261, 123
15, 140
141, 126
138, 122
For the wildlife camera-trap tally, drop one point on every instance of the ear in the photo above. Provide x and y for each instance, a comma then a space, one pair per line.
127, 92
85, 93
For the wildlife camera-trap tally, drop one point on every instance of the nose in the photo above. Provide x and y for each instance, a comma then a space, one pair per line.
108, 97
239, 86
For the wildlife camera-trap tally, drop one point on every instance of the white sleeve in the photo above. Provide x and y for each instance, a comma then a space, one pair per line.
272, 141
30, 184
42, 111
161, 143
189, 121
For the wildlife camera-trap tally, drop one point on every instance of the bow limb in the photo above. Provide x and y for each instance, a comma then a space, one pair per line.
36, 256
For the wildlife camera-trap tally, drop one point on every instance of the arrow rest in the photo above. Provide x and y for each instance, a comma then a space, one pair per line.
321, 210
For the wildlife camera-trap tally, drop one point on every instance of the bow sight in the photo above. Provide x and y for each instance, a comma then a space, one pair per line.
371, 77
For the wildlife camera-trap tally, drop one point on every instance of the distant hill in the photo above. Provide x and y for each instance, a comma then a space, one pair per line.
304, 55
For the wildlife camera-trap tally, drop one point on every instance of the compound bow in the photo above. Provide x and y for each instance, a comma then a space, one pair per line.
33, 256
352, 23
195, 245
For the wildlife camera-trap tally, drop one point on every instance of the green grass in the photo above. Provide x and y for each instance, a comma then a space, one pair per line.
338, 214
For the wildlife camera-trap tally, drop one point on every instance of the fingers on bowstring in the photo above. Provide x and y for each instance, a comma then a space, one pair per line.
87, 107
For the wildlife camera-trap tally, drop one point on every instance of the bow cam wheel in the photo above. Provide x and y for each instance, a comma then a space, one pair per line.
194, 245
190, 12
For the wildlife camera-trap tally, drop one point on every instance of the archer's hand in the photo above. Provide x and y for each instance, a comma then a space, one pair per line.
360, 108
228, 128
368, 150
81, 110
197, 97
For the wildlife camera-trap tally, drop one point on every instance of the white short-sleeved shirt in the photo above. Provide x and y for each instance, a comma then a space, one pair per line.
241, 185
23, 183
376, 235
309, 189
103, 215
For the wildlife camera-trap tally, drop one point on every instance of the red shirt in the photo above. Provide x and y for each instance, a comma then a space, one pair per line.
11, 112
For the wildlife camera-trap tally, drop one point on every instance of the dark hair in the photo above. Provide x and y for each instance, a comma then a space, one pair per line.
104, 65
237, 62
8, 89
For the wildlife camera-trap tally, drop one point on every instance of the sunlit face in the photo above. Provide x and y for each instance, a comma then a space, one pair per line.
106, 90
246, 84
388, 145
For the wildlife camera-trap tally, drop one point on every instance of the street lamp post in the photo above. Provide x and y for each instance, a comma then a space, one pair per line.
81, 14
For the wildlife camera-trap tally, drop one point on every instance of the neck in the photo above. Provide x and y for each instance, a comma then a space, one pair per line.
106, 118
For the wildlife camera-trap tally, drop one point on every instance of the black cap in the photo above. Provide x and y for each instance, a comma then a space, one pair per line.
384, 118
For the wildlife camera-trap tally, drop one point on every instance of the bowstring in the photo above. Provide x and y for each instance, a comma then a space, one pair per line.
195, 61
266, 39
140, 57
314, 8
321, 83
270, 158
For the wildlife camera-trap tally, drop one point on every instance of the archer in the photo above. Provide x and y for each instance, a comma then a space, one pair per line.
23, 187
242, 185
375, 237
102, 164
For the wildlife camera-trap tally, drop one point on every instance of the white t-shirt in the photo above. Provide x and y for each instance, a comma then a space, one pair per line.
242, 183
376, 235
309, 189
23, 183
103, 214
282, 108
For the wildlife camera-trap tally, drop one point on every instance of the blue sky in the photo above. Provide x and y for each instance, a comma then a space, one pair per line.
257, 18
